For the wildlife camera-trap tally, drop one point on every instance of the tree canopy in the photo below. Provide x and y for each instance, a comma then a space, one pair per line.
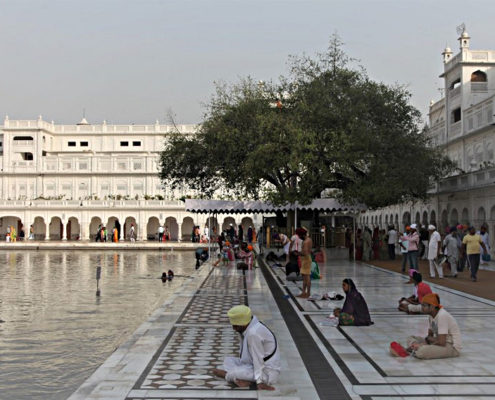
325, 126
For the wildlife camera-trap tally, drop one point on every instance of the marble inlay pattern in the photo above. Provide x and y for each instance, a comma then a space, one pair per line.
211, 308
189, 356
227, 282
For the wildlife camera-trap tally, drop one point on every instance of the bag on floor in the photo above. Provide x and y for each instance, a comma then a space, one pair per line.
315, 270
397, 350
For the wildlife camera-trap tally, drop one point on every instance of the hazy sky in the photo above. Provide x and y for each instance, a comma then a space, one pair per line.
131, 61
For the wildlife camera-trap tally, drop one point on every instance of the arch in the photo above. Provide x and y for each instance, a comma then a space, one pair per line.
433, 218
417, 219
129, 221
226, 223
56, 228
481, 216
93, 227
380, 221
173, 228
113, 222
492, 214
386, 219
8, 222
454, 217
425, 218
187, 228
214, 225
39, 228
396, 221
465, 217
73, 229
478, 76
406, 219
152, 228
444, 221
246, 223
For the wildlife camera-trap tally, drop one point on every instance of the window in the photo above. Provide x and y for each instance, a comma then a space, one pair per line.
138, 166
66, 186
456, 83
71, 144
478, 76
456, 115
66, 165
23, 138
83, 186
83, 165
138, 187
84, 144
122, 187
124, 144
136, 144
1, 144
27, 156
122, 166
104, 187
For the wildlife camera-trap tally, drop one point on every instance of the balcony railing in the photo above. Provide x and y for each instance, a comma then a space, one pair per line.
471, 180
133, 204
479, 115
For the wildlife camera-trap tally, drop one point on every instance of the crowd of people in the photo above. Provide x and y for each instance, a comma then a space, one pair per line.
461, 246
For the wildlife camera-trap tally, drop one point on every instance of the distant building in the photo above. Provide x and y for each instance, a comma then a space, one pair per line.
462, 123
66, 180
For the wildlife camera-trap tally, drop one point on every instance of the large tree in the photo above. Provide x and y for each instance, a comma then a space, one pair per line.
327, 125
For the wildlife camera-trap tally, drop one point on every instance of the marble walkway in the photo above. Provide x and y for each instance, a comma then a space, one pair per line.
171, 355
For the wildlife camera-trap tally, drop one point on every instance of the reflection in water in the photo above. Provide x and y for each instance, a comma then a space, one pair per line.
56, 331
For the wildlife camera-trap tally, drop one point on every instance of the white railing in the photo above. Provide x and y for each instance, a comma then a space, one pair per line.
455, 92
471, 180
23, 142
134, 204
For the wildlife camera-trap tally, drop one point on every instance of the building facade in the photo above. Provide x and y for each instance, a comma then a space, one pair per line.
463, 124
66, 180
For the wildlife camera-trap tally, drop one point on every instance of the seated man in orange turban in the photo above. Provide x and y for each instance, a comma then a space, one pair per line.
444, 337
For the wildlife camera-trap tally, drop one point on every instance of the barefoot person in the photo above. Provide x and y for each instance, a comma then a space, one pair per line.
307, 245
259, 356
444, 336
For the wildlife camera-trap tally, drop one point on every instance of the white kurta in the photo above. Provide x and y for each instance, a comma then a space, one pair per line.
257, 343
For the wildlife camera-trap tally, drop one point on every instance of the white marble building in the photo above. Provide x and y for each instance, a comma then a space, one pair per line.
65, 180
462, 123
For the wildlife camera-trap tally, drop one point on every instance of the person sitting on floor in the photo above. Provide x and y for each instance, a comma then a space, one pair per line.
319, 254
412, 305
292, 266
246, 255
259, 359
355, 310
444, 336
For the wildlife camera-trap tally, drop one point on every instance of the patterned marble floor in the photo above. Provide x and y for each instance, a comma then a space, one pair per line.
200, 340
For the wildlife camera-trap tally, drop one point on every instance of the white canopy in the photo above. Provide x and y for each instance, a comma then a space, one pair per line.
256, 206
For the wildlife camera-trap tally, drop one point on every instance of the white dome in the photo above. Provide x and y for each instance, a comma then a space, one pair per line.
465, 35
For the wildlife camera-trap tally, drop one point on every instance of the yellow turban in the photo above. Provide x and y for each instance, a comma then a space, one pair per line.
240, 315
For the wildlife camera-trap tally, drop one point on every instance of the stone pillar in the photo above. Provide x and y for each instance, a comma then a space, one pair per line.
179, 235
141, 226
47, 234
121, 233
64, 231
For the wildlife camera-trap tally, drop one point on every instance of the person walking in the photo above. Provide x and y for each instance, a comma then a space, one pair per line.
434, 249
132, 233
366, 244
471, 246
412, 249
484, 255
451, 249
160, 233
307, 245
423, 237
392, 240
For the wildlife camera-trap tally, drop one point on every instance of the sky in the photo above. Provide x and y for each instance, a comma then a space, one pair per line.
138, 61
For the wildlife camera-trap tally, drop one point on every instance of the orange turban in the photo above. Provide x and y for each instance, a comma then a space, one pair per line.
432, 299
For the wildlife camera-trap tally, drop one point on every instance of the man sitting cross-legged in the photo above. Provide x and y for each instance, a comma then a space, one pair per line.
412, 305
259, 356
444, 336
